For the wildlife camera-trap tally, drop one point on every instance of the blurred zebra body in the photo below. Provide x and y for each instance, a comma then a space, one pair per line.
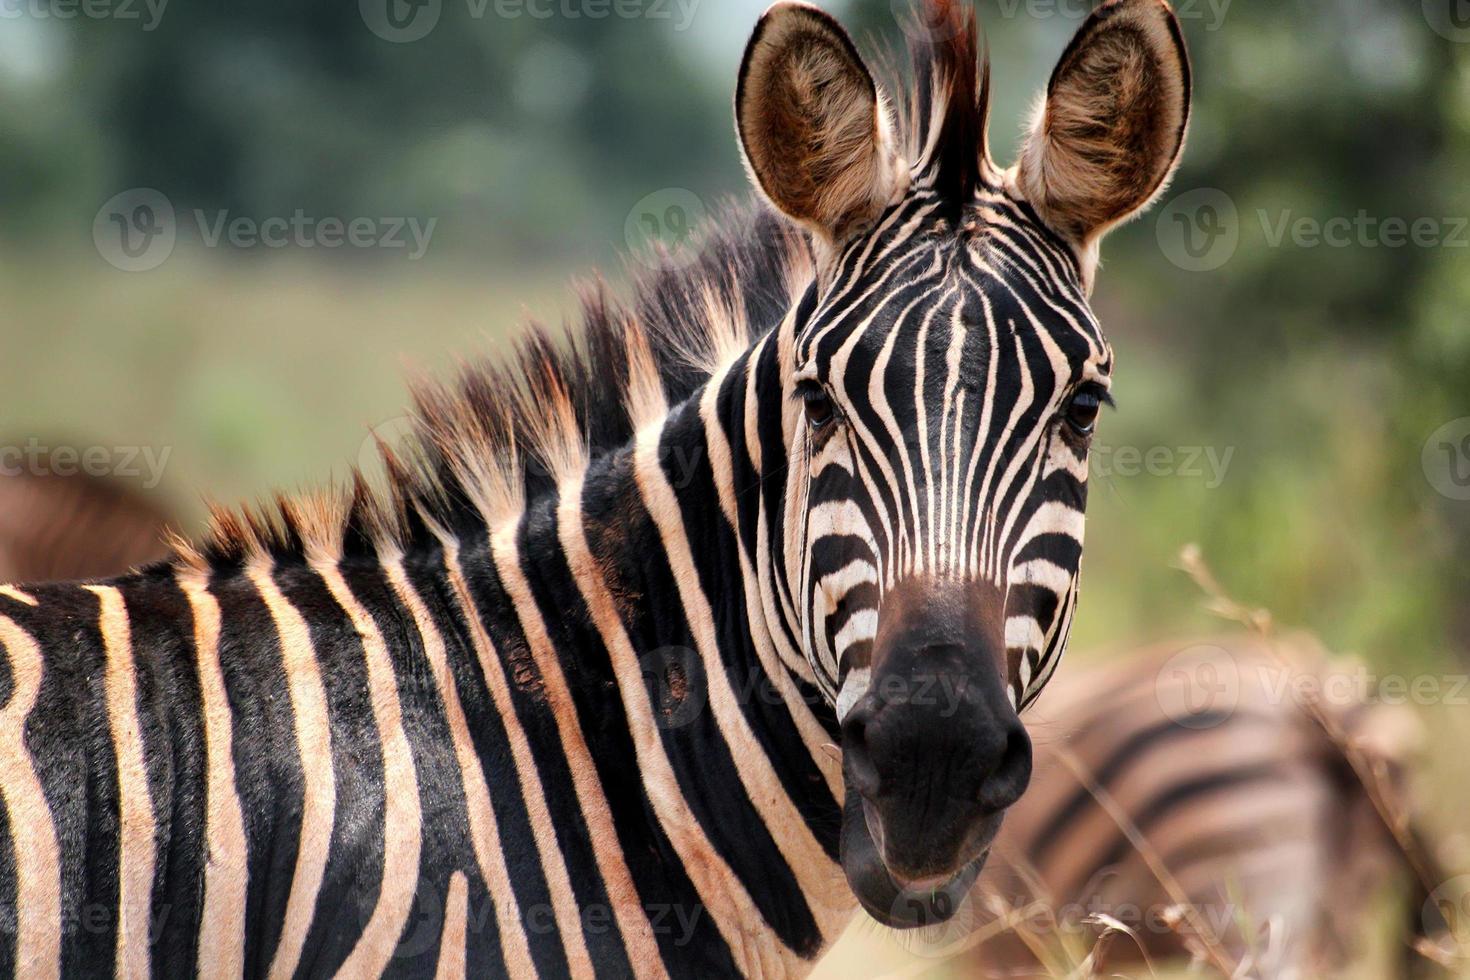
1260, 821
55, 527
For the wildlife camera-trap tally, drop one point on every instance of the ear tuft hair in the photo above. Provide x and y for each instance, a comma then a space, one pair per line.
1112, 126
949, 104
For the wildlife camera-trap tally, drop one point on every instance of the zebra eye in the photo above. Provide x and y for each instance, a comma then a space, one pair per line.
1082, 411
819, 410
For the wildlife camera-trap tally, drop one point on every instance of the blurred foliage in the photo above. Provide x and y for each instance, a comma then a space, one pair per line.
1320, 370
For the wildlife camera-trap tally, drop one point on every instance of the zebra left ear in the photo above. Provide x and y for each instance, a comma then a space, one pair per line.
816, 133
1111, 129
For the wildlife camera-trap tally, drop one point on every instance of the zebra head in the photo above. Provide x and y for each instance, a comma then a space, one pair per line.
945, 376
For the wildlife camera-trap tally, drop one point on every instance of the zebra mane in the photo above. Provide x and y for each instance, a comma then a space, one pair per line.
505, 432
945, 117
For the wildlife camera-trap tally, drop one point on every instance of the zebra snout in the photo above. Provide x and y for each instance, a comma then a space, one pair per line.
935, 772
916, 748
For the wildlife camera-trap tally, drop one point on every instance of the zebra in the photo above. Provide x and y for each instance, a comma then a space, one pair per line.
58, 524
668, 645
1240, 793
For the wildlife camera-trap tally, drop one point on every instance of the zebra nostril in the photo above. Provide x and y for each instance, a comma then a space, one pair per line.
856, 754
1010, 774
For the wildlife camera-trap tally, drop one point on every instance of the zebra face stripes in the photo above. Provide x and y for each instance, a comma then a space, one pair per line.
946, 406
946, 373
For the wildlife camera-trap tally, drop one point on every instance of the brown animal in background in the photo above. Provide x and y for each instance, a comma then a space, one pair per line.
77, 526
1246, 801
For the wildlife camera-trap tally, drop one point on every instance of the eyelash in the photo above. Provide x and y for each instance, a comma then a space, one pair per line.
807, 388
1080, 425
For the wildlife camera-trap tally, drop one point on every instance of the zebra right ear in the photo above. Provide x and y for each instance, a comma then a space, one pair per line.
1112, 126
816, 133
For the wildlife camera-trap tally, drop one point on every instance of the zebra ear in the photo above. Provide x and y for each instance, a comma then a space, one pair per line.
816, 133
1111, 128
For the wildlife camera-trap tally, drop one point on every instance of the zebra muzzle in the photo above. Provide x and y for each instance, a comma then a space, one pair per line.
933, 753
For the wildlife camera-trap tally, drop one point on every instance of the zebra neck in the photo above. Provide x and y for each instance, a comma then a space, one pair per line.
652, 569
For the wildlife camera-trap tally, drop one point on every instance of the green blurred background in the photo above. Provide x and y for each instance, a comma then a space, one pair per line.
1295, 404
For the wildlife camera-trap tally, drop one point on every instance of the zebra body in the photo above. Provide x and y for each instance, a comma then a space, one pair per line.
1241, 795
563, 700
417, 728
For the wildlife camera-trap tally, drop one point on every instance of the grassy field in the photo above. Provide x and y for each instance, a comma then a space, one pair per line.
266, 374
